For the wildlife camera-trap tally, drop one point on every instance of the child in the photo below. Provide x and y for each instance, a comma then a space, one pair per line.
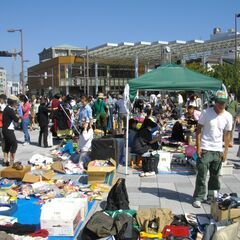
85, 141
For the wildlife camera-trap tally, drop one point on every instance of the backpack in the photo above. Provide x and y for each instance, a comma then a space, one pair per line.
118, 197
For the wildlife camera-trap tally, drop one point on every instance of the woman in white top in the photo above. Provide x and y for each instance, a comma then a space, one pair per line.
85, 141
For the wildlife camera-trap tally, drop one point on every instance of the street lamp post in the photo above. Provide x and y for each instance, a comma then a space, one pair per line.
22, 59
237, 15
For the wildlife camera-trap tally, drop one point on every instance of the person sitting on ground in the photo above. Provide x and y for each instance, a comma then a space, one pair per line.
42, 118
192, 115
143, 143
10, 141
132, 131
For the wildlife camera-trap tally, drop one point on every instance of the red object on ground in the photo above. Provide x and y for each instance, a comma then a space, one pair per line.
176, 231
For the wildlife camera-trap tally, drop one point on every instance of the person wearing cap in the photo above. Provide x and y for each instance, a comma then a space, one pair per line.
10, 141
214, 124
142, 143
100, 112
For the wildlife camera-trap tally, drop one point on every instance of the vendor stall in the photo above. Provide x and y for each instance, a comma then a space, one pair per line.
173, 77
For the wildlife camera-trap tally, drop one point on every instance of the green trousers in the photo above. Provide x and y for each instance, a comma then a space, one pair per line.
211, 161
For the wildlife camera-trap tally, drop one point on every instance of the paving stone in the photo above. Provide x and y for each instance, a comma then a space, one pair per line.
175, 206
133, 189
184, 185
135, 207
148, 206
207, 208
151, 179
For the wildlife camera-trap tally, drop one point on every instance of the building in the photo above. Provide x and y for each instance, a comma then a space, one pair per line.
12, 88
60, 50
111, 65
76, 75
3, 81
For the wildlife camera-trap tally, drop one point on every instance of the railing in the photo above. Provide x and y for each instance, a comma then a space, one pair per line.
92, 81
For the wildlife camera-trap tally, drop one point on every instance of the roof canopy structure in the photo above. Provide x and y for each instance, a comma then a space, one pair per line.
152, 52
173, 77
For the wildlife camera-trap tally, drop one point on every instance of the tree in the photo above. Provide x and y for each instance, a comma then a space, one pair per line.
197, 67
229, 74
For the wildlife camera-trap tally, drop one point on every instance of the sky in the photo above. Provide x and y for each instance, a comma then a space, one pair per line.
47, 23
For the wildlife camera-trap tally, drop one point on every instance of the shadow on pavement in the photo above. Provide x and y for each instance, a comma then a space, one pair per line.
168, 194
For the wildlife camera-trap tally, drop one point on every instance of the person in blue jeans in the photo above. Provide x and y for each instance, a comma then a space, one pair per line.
26, 106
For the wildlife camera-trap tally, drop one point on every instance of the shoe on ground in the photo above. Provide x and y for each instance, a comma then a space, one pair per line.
197, 204
26, 143
5, 164
149, 174
142, 174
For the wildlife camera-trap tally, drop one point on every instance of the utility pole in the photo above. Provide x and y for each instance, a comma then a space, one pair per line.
87, 78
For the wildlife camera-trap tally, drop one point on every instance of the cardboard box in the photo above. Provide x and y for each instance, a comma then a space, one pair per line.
32, 177
103, 174
12, 173
219, 214
62, 216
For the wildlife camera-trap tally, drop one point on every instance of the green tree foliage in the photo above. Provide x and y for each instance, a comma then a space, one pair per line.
197, 67
228, 73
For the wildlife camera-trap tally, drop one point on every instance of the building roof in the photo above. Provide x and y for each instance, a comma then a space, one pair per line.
153, 52
67, 46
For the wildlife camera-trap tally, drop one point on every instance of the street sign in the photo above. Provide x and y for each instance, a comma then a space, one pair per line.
5, 54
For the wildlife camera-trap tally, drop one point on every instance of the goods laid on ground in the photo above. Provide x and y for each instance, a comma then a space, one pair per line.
51, 197
118, 221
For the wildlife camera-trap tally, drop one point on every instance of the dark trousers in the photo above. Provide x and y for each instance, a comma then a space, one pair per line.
44, 132
210, 160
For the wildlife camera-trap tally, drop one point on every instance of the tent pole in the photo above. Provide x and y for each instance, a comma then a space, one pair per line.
126, 150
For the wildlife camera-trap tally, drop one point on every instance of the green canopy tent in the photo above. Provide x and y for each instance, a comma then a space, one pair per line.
173, 77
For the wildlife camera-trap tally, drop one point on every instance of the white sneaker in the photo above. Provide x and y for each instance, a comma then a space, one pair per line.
142, 174
26, 143
197, 204
148, 174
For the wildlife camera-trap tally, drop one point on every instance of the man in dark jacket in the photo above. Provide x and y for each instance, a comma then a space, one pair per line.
42, 118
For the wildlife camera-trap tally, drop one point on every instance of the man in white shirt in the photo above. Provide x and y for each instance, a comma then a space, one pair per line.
214, 124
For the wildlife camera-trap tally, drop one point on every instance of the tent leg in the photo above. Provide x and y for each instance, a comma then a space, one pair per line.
126, 149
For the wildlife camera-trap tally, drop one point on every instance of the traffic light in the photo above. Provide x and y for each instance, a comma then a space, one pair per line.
5, 54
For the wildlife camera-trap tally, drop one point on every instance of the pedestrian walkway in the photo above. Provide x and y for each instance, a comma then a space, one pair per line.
166, 190
173, 190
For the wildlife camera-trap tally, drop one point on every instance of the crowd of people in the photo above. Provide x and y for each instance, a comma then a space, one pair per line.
63, 115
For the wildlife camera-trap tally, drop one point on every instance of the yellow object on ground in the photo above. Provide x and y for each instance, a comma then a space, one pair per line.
151, 235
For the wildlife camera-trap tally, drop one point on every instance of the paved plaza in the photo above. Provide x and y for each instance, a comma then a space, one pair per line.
166, 191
